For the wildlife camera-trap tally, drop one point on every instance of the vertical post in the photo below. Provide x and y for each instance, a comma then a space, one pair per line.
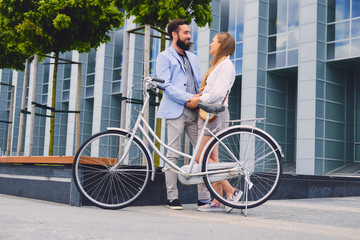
146, 62
33, 105
23, 103
10, 121
124, 82
78, 104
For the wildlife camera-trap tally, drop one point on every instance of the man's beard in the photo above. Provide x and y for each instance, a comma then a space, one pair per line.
181, 44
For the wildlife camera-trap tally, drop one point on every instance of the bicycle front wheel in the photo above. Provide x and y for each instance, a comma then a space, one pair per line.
103, 185
253, 162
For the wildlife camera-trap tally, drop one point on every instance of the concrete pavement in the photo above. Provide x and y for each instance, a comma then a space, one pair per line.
326, 218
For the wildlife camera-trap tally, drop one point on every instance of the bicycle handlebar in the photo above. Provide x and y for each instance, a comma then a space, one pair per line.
153, 82
158, 80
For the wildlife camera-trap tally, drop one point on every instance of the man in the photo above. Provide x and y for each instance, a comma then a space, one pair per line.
181, 71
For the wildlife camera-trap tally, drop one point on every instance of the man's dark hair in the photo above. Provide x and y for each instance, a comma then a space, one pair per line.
174, 26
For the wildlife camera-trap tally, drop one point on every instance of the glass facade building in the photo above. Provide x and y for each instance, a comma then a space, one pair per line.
297, 65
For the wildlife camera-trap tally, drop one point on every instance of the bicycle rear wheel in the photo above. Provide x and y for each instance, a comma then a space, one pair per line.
243, 149
103, 185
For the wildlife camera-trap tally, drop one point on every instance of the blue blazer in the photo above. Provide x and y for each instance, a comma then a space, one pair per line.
170, 67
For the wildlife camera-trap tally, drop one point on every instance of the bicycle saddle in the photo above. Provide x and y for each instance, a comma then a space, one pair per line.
211, 108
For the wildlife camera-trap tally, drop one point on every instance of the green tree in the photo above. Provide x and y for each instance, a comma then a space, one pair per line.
158, 13
55, 26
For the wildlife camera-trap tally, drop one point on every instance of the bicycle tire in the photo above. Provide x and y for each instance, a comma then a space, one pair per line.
254, 150
99, 183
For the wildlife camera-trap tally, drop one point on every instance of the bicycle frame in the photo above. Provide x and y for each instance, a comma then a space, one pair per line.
146, 130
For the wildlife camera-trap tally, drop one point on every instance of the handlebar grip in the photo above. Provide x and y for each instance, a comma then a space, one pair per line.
158, 80
160, 87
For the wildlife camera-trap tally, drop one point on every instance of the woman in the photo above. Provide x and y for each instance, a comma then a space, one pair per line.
215, 88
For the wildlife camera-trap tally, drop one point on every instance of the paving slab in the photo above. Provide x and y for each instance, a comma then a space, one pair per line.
325, 218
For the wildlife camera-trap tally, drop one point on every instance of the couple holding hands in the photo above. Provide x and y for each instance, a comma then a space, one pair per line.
184, 88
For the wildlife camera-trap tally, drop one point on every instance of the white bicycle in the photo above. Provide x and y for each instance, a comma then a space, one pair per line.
113, 168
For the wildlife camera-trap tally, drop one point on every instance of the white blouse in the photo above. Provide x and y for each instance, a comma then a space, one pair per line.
219, 82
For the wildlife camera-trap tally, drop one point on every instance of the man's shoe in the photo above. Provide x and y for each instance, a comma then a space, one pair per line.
211, 207
234, 199
174, 204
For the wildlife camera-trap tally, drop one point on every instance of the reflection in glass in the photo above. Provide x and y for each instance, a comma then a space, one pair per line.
355, 28
338, 31
281, 59
272, 17
281, 25
292, 58
355, 8
280, 42
116, 87
293, 39
338, 10
90, 80
91, 61
89, 92
293, 22
276, 60
118, 48
117, 74
355, 47
239, 50
338, 50
238, 66
272, 44
240, 20
272, 60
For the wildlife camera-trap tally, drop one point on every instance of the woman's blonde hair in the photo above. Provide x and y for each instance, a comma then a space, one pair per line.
226, 48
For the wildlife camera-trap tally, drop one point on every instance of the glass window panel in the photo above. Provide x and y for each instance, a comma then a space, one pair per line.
272, 44
66, 84
293, 14
293, 39
292, 58
239, 50
89, 92
331, 11
240, 20
338, 10
342, 49
281, 16
339, 31
331, 32
238, 66
91, 62
272, 16
330, 51
45, 89
281, 42
44, 99
224, 24
90, 79
67, 71
66, 95
355, 8
116, 87
116, 74
280, 59
355, 47
272, 60
232, 17
355, 28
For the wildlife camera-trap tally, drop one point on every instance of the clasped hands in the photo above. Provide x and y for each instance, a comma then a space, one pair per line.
192, 102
